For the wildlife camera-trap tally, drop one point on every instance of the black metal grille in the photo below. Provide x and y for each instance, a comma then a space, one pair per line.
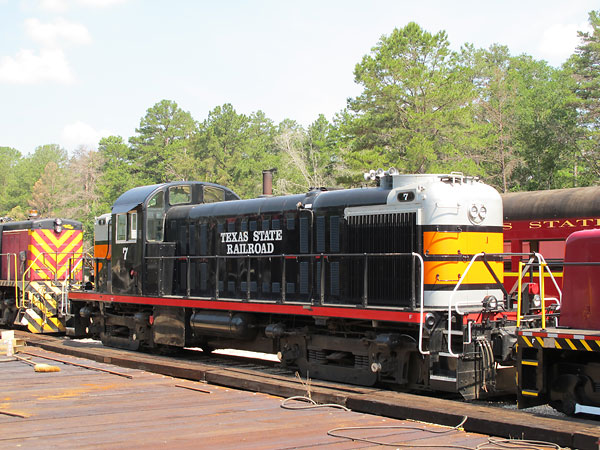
390, 279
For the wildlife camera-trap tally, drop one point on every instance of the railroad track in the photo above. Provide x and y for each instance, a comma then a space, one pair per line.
268, 377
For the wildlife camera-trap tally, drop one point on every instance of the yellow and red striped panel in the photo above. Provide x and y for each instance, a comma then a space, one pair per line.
55, 254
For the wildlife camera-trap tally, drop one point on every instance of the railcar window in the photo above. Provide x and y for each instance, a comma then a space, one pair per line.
554, 253
155, 216
180, 195
213, 194
121, 227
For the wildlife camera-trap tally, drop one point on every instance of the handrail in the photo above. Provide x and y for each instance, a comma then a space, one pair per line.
284, 257
65, 283
460, 280
541, 260
55, 272
9, 274
522, 271
541, 263
523, 268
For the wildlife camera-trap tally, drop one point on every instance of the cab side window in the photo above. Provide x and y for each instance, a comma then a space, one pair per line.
133, 226
180, 195
127, 227
155, 217
213, 194
121, 227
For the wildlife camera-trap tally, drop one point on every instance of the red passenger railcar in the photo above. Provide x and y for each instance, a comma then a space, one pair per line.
541, 221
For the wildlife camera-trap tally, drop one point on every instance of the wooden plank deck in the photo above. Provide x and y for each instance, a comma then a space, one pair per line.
81, 408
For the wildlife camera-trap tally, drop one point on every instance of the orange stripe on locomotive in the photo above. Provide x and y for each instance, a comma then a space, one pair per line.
461, 243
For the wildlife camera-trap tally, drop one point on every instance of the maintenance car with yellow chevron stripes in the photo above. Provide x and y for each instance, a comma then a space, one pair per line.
40, 260
560, 364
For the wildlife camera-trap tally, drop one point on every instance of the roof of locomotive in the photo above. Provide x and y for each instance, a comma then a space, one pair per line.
314, 199
40, 224
138, 195
555, 203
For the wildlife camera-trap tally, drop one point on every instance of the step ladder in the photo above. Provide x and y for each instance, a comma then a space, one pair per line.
41, 308
531, 375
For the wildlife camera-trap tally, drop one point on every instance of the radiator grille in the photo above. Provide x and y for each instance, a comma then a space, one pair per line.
390, 280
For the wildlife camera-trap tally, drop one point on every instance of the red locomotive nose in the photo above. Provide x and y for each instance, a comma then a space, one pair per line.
534, 288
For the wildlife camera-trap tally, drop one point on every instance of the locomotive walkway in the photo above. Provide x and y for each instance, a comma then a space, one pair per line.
81, 408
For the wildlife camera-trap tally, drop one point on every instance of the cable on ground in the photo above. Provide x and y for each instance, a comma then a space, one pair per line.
311, 404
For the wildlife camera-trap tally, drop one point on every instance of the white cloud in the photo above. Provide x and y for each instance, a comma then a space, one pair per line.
48, 63
57, 32
80, 133
100, 3
27, 67
64, 5
559, 41
54, 5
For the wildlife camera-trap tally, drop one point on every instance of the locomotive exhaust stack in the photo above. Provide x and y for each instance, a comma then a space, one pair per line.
267, 182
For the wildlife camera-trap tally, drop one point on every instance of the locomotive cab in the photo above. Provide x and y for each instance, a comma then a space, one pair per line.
138, 232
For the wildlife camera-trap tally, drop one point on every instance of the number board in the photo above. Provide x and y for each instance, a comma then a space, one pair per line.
408, 196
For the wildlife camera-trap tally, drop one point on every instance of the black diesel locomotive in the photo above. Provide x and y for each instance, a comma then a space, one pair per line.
399, 283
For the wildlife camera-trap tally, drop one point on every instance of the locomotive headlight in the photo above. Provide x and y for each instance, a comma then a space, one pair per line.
536, 302
477, 213
473, 212
482, 212
57, 225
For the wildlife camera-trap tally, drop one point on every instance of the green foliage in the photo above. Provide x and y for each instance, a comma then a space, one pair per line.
232, 149
9, 157
309, 158
27, 171
413, 112
48, 192
164, 135
586, 71
526, 118
118, 171
546, 127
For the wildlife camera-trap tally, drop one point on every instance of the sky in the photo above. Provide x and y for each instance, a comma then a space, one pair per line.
73, 71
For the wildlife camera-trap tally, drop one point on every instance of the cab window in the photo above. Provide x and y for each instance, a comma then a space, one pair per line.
213, 194
180, 195
121, 227
126, 227
133, 226
155, 214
